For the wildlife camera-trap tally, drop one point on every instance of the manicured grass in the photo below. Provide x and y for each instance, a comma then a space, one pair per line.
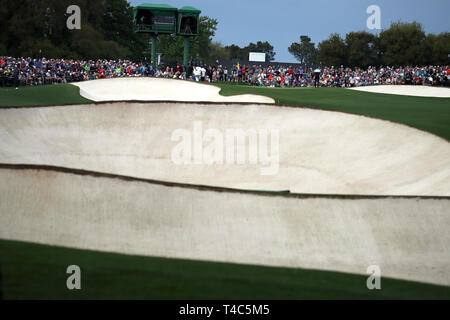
47, 95
32, 271
429, 114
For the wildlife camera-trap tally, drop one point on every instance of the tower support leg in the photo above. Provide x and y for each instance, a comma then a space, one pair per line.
187, 48
154, 41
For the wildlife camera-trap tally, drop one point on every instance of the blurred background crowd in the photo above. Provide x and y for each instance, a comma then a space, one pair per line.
16, 72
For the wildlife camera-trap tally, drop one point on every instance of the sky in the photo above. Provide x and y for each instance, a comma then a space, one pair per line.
282, 22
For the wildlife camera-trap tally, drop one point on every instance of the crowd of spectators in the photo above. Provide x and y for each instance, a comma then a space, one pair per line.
333, 77
17, 72
27, 71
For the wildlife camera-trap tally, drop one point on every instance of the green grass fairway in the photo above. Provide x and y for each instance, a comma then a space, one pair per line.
48, 95
32, 271
429, 114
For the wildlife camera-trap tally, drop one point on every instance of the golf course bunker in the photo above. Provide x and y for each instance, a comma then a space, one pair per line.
154, 89
314, 151
407, 90
407, 238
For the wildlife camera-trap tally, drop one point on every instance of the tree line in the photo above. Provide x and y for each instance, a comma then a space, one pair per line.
38, 29
402, 44
235, 52
31, 28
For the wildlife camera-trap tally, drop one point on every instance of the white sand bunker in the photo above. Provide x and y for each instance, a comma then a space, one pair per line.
406, 238
417, 91
154, 89
318, 151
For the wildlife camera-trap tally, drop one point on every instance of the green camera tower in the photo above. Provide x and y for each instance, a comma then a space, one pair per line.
155, 19
163, 18
187, 26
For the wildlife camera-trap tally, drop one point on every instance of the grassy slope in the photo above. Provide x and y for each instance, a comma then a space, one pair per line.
41, 96
429, 114
32, 271
35, 271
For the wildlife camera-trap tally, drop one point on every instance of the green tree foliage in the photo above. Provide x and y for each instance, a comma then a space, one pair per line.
235, 52
38, 28
218, 51
437, 47
260, 46
403, 44
362, 49
399, 45
305, 51
201, 44
172, 46
238, 53
333, 51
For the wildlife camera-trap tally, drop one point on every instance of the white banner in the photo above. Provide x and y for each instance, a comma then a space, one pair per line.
257, 56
